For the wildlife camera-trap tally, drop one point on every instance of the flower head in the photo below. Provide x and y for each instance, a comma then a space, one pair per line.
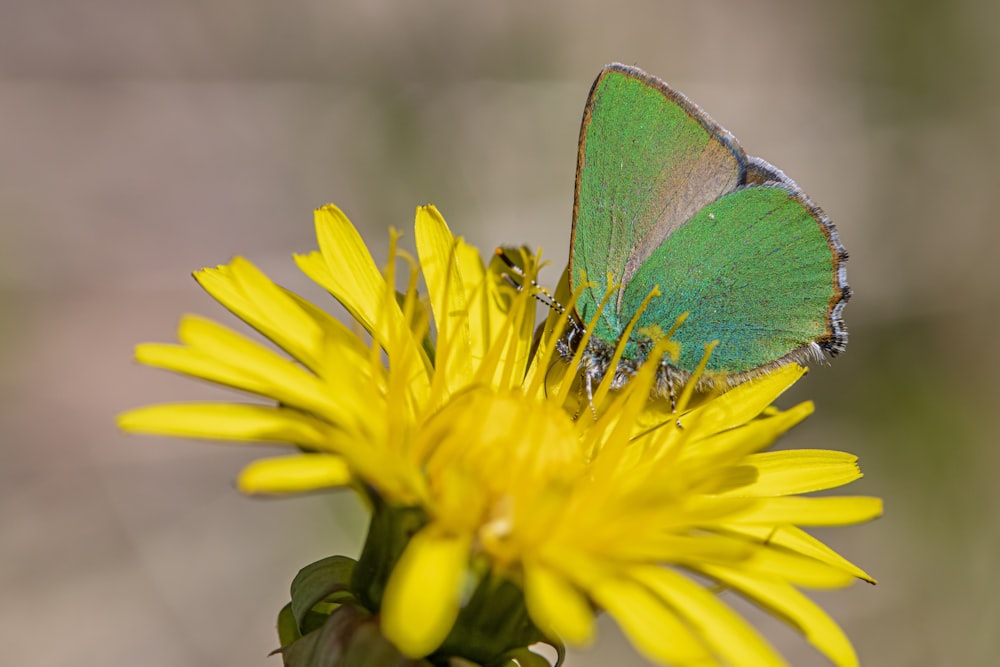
453, 407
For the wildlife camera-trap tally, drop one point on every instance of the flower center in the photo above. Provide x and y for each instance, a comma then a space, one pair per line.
491, 455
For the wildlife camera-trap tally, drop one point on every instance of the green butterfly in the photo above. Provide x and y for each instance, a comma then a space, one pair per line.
666, 198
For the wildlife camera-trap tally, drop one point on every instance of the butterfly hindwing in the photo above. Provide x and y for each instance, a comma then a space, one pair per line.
756, 270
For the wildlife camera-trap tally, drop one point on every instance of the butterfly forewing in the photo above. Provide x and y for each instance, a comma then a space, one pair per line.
649, 159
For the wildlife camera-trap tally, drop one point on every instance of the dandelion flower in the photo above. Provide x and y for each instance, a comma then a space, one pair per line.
492, 481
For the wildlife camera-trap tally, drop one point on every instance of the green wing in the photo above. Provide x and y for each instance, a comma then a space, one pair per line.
649, 159
760, 270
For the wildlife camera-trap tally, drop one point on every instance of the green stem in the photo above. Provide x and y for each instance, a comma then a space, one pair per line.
389, 532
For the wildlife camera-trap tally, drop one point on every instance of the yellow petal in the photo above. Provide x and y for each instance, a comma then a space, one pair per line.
557, 607
423, 594
511, 334
447, 290
789, 472
352, 276
726, 632
280, 378
650, 624
482, 297
291, 474
788, 604
547, 375
226, 421
656, 546
797, 541
253, 297
799, 570
744, 402
183, 359
345, 268
832, 511
298, 327
707, 456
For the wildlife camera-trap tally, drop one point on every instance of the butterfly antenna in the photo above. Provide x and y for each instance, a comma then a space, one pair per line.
544, 296
670, 391
541, 294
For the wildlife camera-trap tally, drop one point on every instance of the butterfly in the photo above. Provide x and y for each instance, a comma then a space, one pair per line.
668, 204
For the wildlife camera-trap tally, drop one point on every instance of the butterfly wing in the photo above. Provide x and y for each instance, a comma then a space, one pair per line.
761, 270
648, 160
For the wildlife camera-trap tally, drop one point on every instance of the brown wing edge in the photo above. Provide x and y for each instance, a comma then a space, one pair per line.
762, 173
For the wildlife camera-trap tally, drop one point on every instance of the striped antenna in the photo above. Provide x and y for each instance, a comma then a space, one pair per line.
541, 294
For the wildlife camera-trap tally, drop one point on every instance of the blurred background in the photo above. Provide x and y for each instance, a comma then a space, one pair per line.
142, 140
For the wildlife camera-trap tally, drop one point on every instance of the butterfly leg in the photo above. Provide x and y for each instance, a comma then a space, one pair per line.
671, 392
590, 394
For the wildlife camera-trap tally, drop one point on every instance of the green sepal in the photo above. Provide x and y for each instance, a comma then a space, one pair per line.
325, 581
492, 625
389, 532
350, 637
288, 628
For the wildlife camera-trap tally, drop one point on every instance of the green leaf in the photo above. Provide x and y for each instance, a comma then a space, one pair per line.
492, 624
350, 637
327, 580
288, 628
389, 532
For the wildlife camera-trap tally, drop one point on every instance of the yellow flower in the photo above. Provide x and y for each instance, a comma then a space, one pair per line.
452, 407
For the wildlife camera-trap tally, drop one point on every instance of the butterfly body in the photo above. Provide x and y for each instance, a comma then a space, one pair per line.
667, 200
